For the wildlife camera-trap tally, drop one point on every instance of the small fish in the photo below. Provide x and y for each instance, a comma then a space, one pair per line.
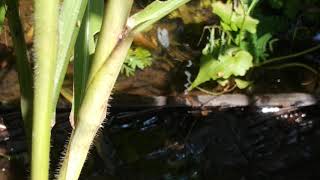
163, 37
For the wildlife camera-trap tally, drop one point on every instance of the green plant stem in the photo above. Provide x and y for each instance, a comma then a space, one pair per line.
114, 21
295, 65
45, 49
23, 66
93, 111
103, 75
276, 59
102, 78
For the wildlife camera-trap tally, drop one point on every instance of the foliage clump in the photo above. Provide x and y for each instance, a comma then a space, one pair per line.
233, 47
137, 58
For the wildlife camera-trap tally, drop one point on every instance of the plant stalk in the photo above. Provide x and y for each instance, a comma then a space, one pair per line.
93, 111
45, 47
103, 74
114, 21
276, 59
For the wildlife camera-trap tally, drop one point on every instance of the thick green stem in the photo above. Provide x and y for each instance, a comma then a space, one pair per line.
45, 47
114, 21
111, 52
23, 66
103, 75
93, 111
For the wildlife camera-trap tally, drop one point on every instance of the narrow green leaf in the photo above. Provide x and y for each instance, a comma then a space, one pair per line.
2, 14
84, 49
69, 24
152, 13
23, 66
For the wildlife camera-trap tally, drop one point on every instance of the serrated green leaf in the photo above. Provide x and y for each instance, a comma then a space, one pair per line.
136, 58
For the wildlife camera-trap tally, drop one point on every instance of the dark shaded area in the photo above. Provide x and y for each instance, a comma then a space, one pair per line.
187, 143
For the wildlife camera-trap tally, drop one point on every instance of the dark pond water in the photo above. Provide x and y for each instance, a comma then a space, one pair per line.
186, 143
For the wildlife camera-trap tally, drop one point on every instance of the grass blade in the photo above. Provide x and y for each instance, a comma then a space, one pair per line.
152, 13
23, 66
84, 49
69, 24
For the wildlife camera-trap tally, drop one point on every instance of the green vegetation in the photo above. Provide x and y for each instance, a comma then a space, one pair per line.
98, 34
137, 58
236, 46
59, 34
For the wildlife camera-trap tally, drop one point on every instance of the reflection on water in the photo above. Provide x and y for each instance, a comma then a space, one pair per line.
240, 143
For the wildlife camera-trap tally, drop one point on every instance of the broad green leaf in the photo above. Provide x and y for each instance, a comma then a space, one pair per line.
234, 63
234, 20
207, 65
242, 84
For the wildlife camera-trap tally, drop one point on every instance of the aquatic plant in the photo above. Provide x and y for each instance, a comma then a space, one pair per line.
235, 46
60, 34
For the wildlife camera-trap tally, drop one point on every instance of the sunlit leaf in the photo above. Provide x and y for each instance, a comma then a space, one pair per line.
207, 64
241, 84
234, 63
152, 13
223, 82
234, 20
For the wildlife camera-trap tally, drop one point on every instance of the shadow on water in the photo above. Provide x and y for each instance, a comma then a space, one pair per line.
186, 143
